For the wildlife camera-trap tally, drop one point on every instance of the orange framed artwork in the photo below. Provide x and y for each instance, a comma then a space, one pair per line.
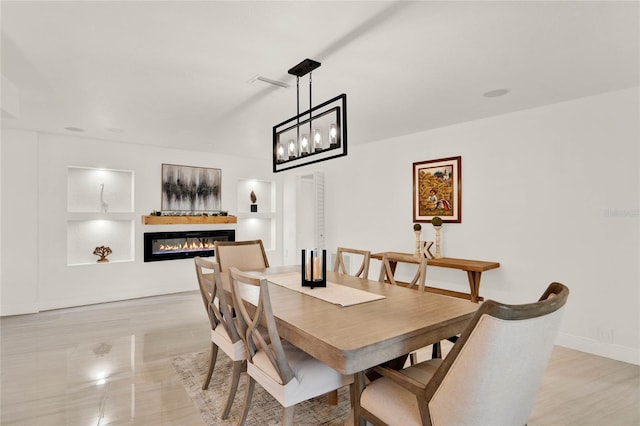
437, 190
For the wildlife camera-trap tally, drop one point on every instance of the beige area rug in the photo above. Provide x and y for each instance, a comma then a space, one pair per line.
264, 409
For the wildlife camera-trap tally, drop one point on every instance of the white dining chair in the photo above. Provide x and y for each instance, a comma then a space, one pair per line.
289, 374
244, 255
224, 334
490, 376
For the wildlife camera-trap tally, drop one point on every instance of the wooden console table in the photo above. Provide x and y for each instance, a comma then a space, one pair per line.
473, 268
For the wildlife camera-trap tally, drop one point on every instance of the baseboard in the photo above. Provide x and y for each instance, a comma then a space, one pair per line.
21, 309
607, 350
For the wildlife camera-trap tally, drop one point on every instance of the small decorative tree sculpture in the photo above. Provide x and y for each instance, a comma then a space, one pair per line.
437, 224
417, 228
103, 252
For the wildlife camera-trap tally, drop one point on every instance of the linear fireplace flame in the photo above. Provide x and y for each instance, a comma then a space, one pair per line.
186, 246
183, 244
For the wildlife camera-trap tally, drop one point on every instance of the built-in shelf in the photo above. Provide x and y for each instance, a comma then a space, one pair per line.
100, 212
257, 215
187, 220
262, 223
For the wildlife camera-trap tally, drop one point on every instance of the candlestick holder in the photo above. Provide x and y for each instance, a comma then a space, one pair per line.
438, 255
314, 268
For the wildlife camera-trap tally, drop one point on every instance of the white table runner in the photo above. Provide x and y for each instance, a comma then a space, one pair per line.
333, 293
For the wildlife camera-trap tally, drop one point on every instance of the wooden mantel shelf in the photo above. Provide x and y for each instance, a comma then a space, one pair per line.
187, 220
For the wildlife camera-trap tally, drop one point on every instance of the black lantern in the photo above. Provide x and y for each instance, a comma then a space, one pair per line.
314, 268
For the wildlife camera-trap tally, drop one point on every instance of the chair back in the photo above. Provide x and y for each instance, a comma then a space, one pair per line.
214, 297
339, 265
493, 372
390, 262
270, 356
244, 255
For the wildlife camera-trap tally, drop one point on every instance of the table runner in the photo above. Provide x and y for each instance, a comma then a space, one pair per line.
333, 293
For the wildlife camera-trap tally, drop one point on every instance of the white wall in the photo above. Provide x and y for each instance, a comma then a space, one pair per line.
35, 276
19, 223
551, 193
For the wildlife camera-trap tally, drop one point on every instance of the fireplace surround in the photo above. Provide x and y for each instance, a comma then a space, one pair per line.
159, 246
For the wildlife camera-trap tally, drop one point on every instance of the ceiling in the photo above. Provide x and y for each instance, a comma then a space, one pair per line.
183, 74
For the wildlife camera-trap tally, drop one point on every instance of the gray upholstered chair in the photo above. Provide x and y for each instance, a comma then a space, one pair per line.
244, 255
224, 334
289, 374
490, 376
364, 255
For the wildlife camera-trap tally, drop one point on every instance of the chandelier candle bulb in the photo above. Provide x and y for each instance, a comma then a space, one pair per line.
304, 145
333, 136
280, 152
292, 149
317, 140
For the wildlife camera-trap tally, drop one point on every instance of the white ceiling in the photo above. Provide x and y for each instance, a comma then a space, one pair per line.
180, 74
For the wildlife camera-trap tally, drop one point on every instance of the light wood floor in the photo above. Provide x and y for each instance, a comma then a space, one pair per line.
111, 364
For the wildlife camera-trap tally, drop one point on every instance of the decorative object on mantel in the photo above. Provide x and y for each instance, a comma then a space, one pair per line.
436, 221
254, 206
190, 213
103, 252
187, 220
318, 134
417, 228
314, 268
437, 190
191, 189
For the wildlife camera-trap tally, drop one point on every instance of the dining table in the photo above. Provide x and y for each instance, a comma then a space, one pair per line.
358, 336
353, 338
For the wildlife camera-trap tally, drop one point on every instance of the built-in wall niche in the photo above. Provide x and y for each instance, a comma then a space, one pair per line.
265, 192
261, 223
83, 236
99, 190
100, 212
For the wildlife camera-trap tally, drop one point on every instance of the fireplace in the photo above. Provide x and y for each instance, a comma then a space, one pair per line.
183, 245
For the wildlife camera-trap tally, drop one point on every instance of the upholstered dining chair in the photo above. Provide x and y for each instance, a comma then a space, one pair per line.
289, 374
224, 334
364, 255
490, 376
244, 255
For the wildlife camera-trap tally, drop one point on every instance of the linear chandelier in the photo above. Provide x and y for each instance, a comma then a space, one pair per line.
315, 135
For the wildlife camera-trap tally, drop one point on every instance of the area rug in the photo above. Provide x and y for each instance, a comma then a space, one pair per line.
265, 410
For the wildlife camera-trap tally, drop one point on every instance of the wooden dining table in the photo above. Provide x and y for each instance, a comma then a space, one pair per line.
354, 338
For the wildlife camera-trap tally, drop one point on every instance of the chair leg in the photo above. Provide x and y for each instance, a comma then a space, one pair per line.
247, 400
212, 364
354, 395
235, 378
287, 415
